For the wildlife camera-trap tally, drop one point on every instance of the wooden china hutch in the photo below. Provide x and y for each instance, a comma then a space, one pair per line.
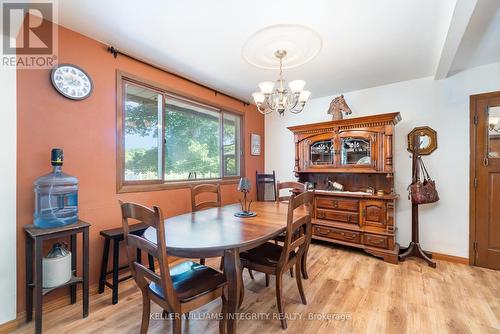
356, 154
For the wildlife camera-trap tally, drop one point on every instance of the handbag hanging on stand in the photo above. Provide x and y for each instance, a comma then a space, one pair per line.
423, 191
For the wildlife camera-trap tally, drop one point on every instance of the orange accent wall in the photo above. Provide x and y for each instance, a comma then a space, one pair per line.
86, 131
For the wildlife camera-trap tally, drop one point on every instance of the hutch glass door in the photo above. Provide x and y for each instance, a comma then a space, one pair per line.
321, 153
355, 151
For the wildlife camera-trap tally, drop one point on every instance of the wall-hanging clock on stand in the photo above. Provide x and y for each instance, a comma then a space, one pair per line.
71, 81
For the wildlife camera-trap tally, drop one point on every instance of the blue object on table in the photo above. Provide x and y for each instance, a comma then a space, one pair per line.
56, 196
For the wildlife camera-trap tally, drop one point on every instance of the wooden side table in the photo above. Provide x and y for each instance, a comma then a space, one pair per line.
34, 253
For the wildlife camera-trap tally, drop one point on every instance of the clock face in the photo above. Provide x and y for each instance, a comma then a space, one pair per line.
71, 81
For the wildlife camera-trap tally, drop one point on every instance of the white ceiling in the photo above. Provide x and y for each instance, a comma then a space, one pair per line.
365, 43
481, 41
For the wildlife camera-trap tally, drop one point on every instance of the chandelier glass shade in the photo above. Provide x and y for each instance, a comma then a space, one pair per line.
276, 96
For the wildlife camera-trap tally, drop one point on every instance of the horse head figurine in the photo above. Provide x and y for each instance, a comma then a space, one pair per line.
337, 107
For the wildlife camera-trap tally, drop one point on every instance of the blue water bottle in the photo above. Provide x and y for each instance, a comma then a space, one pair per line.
56, 196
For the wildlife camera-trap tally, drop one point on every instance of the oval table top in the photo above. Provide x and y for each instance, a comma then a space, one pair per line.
207, 233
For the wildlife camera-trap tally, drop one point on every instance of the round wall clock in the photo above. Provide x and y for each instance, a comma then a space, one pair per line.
71, 81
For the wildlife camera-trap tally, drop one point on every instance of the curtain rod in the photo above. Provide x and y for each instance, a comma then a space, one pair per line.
115, 53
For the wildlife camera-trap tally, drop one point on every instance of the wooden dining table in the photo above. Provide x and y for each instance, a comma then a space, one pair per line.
217, 232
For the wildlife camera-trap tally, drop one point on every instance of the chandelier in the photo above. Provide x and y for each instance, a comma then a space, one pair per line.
276, 97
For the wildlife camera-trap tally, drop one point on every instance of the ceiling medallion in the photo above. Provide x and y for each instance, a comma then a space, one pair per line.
281, 47
301, 43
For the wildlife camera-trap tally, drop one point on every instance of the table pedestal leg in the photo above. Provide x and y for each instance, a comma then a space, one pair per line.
233, 276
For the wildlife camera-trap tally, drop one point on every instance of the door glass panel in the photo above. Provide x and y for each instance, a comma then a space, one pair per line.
494, 132
355, 151
322, 153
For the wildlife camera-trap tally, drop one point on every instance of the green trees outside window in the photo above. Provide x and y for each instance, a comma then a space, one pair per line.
174, 139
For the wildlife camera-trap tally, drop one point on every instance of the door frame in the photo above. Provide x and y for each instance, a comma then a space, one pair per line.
472, 171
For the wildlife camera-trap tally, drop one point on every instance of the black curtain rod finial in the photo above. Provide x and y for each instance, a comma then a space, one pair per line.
113, 51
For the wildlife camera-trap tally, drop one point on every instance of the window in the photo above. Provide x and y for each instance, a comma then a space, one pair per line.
231, 144
168, 139
142, 135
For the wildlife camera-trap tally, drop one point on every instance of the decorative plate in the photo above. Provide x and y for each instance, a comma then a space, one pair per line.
71, 81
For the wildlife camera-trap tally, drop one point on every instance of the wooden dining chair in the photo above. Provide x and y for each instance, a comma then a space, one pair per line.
296, 187
291, 186
273, 259
203, 189
179, 289
197, 206
265, 182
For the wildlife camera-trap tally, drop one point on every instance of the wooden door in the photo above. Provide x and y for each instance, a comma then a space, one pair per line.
485, 181
373, 213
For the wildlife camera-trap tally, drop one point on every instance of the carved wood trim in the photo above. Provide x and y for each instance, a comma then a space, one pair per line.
345, 124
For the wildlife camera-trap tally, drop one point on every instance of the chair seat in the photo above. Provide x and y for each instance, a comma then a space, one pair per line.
191, 280
267, 254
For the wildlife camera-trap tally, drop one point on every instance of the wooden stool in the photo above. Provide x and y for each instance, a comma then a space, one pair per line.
116, 234
35, 237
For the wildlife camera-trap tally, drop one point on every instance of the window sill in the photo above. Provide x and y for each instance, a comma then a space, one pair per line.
134, 188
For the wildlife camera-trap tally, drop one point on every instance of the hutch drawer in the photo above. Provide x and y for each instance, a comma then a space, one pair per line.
337, 203
380, 241
339, 216
336, 233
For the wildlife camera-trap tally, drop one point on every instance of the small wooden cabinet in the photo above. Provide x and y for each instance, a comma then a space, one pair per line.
374, 213
356, 153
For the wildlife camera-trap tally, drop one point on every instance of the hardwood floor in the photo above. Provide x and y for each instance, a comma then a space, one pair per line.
371, 295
